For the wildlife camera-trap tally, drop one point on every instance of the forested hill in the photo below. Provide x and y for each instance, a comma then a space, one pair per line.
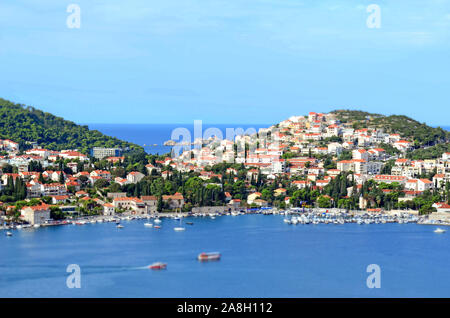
22, 123
422, 134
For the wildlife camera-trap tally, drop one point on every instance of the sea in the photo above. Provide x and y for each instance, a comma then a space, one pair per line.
261, 257
153, 136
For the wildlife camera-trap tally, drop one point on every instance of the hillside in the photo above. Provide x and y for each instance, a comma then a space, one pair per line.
22, 123
422, 134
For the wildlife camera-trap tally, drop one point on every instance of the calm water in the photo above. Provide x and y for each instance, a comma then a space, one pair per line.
261, 257
150, 134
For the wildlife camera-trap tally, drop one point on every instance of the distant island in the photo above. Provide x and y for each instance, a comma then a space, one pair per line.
52, 168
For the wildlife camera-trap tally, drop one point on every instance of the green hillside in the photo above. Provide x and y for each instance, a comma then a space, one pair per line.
422, 134
22, 123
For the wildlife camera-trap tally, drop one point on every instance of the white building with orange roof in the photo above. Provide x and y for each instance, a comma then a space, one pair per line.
389, 178
37, 214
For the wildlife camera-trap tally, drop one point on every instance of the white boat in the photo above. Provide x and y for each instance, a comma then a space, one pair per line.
286, 220
157, 221
215, 256
8, 233
148, 224
36, 225
179, 229
120, 226
439, 230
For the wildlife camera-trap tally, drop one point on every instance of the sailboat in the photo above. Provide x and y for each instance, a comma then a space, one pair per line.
179, 228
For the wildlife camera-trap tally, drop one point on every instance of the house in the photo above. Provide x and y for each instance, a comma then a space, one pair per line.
175, 201
135, 177
37, 214
103, 174
151, 167
301, 184
80, 193
151, 202
34, 190
53, 189
261, 203
115, 159
235, 203
442, 207
389, 179
360, 154
419, 185
134, 205
280, 191
59, 199
402, 145
252, 197
108, 209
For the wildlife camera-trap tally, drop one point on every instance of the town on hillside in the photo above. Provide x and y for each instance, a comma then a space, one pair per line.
312, 161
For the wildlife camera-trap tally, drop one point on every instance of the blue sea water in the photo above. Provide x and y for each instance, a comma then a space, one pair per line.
147, 135
261, 257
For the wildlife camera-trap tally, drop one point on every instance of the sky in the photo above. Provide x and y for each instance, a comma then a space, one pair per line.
226, 61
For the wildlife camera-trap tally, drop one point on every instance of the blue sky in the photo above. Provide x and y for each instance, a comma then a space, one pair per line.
241, 61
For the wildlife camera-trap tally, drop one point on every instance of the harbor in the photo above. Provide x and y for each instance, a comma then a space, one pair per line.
115, 262
292, 216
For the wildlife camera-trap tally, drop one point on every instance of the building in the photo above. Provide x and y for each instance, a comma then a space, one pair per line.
100, 153
108, 209
135, 176
151, 202
175, 201
37, 214
134, 205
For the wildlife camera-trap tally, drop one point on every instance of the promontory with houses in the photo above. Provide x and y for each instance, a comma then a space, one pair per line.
344, 159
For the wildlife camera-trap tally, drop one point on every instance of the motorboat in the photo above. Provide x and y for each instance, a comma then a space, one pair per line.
179, 229
190, 223
148, 224
120, 226
156, 227
9, 233
439, 230
157, 266
157, 221
214, 256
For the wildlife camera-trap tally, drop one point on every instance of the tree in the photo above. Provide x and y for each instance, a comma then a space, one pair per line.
159, 206
324, 201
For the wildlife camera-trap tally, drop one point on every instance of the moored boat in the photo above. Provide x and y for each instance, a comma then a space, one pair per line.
439, 230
